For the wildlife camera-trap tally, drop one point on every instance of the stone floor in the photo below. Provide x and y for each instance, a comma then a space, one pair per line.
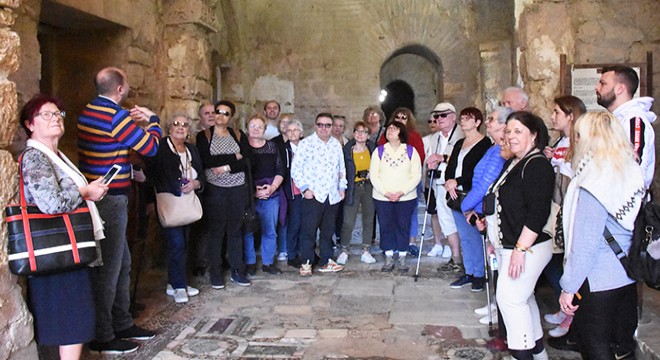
360, 313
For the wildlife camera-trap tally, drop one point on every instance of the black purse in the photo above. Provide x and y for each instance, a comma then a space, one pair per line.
41, 243
250, 221
455, 204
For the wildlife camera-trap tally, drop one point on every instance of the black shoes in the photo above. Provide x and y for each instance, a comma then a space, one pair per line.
240, 278
294, 263
113, 347
478, 284
135, 333
563, 343
251, 269
271, 269
462, 281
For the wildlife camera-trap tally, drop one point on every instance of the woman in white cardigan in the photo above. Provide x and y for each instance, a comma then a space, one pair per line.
395, 172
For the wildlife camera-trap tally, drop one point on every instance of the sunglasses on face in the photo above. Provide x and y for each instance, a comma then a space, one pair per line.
324, 125
443, 115
222, 112
401, 117
431, 121
181, 124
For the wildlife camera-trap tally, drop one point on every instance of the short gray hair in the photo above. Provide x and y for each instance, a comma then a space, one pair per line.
176, 115
297, 123
503, 113
517, 90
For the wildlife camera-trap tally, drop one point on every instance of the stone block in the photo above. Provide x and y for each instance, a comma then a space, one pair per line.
300, 334
9, 183
14, 4
8, 112
140, 56
6, 17
9, 52
293, 310
333, 333
269, 333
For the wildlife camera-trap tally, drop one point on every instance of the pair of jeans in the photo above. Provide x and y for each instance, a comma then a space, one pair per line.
472, 246
414, 221
317, 215
606, 322
293, 224
176, 255
268, 211
111, 282
361, 198
394, 220
225, 207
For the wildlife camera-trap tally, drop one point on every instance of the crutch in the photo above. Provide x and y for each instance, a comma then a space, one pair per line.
487, 276
426, 213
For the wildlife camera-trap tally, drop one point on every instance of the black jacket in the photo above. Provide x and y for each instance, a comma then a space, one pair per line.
469, 162
164, 169
350, 168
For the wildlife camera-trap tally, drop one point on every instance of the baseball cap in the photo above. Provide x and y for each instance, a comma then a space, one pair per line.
444, 107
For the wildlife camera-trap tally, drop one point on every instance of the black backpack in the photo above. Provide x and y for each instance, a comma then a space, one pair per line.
639, 264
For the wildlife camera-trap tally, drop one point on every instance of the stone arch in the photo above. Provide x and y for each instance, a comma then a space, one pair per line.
421, 69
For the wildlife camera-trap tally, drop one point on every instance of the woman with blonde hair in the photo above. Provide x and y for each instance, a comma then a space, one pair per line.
602, 201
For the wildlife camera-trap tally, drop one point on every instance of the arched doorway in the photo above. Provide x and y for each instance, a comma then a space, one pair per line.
413, 78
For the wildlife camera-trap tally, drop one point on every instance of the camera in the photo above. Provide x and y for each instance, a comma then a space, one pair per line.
363, 174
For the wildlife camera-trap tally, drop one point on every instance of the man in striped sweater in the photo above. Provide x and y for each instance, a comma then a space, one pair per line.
106, 134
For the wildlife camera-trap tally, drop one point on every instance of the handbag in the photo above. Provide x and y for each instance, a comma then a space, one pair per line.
176, 211
41, 243
250, 220
455, 204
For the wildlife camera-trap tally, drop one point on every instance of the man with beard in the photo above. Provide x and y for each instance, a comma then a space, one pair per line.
615, 91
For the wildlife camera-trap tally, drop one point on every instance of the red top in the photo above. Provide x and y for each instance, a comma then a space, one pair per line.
414, 139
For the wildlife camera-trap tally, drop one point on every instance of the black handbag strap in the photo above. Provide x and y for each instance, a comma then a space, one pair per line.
614, 245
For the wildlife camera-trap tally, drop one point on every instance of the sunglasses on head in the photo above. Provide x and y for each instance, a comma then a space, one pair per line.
323, 125
222, 112
443, 115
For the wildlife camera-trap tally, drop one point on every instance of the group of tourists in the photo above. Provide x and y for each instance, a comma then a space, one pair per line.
542, 208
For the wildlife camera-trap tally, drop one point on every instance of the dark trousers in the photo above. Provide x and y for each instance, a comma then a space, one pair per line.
394, 219
176, 255
317, 215
225, 207
606, 322
293, 223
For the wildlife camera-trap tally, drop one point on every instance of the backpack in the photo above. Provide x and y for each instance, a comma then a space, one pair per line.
643, 260
382, 148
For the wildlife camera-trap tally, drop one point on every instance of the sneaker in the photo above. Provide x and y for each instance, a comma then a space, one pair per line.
477, 284
342, 258
271, 269
240, 278
281, 256
112, 347
331, 266
462, 281
413, 250
389, 264
403, 267
451, 266
218, 286
563, 343
306, 269
135, 333
435, 251
555, 318
562, 329
484, 320
191, 290
367, 258
180, 296
484, 310
446, 252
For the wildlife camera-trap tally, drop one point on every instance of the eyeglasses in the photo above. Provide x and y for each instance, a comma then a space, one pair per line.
431, 121
402, 117
222, 112
323, 125
47, 115
256, 126
293, 130
359, 132
443, 115
182, 124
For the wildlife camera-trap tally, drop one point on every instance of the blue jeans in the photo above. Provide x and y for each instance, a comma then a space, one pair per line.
414, 222
293, 223
268, 211
111, 282
317, 216
281, 237
176, 255
394, 220
472, 245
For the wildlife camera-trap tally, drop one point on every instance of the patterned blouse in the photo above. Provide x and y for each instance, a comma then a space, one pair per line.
48, 186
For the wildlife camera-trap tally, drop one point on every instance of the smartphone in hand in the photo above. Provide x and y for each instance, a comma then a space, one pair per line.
110, 175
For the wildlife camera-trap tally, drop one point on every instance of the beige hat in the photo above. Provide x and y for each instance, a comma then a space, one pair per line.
444, 107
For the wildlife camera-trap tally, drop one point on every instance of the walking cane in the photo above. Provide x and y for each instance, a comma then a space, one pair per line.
484, 239
426, 212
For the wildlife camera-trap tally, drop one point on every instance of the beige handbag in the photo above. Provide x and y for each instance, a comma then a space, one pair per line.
176, 211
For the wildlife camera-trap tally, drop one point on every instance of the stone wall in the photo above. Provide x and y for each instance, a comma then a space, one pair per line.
15, 320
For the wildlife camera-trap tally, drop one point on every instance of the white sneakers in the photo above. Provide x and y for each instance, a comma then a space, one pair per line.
342, 258
367, 258
190, 291
483, 311
436, 250
306, 269
180, 296
331, 266
555, 318
446, 252
484, 320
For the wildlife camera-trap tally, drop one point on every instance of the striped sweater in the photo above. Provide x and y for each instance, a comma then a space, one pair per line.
106, 134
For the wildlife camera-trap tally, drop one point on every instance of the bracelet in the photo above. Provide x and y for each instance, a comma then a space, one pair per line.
227, 168
523, 249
